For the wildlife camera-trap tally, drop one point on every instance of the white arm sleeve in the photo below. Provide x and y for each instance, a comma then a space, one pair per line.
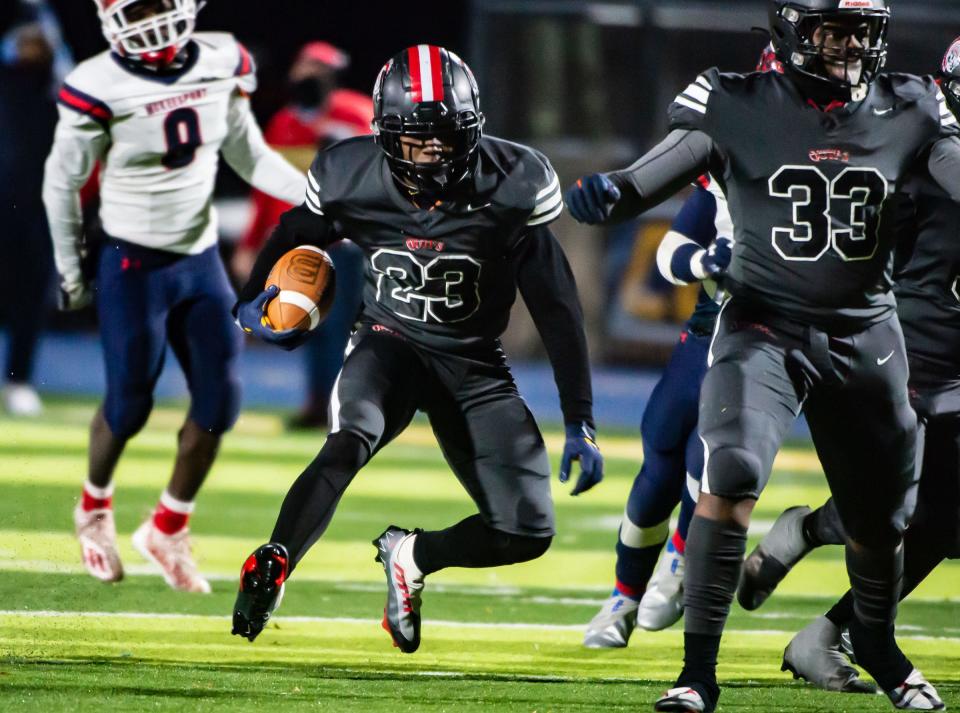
259, 165
672, 243
78, 144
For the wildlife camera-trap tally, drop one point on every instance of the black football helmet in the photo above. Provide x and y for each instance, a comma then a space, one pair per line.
949, 77
428, 92
792, 27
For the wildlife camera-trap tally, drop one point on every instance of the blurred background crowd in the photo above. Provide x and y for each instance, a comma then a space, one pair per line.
586, 82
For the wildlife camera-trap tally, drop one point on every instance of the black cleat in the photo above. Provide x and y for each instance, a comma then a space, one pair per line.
261, 589
401, 614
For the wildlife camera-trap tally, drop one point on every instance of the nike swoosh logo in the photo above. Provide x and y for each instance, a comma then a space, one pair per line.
888, 357
882, 112
474, 208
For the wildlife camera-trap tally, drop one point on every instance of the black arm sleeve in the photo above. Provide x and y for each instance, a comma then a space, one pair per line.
675, 162
550, 292
298, 226
944, 165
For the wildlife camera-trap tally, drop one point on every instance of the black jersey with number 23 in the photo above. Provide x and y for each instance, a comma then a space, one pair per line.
443, 276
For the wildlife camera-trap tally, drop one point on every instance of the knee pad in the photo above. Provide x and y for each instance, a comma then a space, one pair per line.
363, 419
519, 548
127, 412
215, 406
881, 522
343, 452
733, 471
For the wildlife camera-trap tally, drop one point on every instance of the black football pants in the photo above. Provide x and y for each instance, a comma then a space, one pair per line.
485, 431
853, 388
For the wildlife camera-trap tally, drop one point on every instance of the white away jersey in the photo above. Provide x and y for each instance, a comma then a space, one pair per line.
157, 138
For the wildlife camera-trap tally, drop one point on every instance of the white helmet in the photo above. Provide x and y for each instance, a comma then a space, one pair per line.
148, 30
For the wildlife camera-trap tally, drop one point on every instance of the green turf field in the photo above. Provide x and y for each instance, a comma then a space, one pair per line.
496, 640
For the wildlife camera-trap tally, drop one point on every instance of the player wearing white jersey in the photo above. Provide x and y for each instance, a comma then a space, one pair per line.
155, 111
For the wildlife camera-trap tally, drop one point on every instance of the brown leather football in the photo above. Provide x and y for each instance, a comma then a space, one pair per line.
307, 280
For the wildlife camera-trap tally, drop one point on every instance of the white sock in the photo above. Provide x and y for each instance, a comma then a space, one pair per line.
406, 561
96, 492
178, 506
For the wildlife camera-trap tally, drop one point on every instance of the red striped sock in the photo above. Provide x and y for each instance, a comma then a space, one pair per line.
95, 498
679, 544
171, 515
626, 590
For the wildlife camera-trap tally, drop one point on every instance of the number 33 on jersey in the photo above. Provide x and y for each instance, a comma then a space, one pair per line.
807, 185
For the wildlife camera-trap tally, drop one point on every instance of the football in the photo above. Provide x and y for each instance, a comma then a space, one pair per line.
306, 279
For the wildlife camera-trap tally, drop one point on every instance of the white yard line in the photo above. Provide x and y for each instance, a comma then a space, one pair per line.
517, 594
439, 623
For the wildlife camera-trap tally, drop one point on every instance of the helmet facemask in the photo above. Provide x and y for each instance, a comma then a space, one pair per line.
951, 90
454, 139
148, 30
949, 77
846, 49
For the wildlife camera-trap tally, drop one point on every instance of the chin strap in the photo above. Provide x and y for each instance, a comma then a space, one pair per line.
165, 60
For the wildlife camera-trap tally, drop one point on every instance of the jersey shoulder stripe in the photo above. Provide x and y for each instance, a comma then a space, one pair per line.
689, 109
696, 96
549, 203
245, 65
83, 103
313, 194
947, 117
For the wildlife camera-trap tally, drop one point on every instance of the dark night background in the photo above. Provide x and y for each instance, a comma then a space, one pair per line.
274, 30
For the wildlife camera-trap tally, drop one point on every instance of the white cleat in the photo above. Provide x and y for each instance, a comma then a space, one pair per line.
682, 700
613, 624
171, 553
97, 534
22, 401
916, 694
662, 604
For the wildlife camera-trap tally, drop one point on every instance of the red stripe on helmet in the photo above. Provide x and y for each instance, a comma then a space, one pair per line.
413, 62
436, 73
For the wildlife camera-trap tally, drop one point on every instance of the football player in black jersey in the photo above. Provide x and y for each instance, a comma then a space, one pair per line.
928, 303
807, 160
452, 223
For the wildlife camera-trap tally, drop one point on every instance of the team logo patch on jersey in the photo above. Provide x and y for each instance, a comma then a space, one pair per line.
818, 155
952, 59
414, 244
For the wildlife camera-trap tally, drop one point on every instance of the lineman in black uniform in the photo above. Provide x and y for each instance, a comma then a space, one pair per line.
451, 225
928, 299
807, 160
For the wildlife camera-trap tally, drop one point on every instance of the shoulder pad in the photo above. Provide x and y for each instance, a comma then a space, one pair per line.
923, 92
689, 108
223, 56
909, 87
529, 184
86, 90
336, 170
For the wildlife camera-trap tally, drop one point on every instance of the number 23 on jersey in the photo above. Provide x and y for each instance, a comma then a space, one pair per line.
444, 290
